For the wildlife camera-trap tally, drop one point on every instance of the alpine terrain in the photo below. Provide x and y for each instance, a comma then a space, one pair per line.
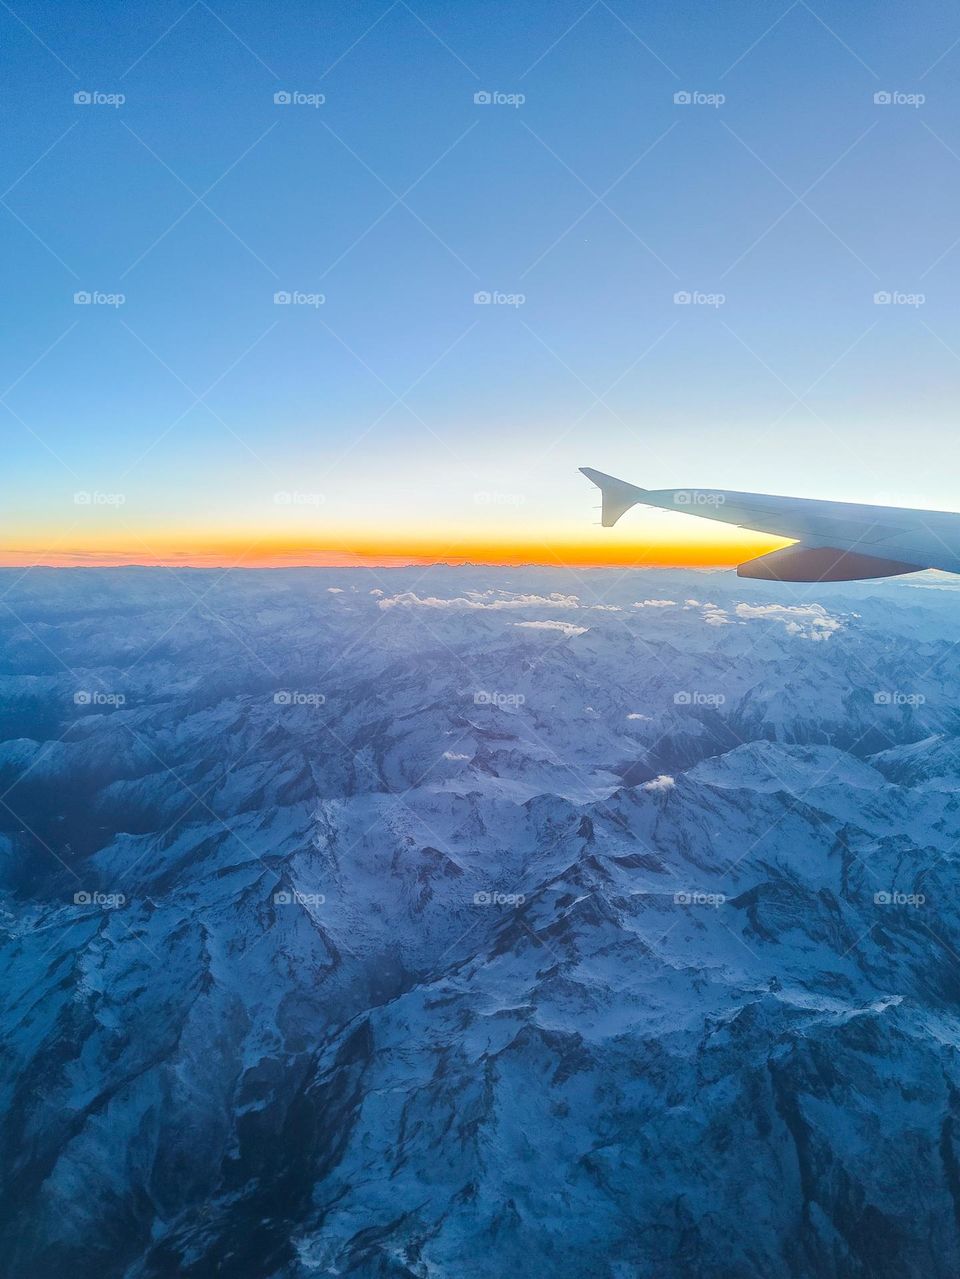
456, 923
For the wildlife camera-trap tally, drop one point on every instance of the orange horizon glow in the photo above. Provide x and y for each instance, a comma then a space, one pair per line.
722, 548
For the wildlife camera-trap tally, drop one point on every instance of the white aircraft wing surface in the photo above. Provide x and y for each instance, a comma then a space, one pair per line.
835, 541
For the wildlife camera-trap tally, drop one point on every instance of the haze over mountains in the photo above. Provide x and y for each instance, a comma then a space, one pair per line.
472, 921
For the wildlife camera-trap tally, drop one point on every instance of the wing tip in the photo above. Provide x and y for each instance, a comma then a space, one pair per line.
617, 496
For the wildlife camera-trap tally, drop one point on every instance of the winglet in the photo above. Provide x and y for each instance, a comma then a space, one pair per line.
618, 496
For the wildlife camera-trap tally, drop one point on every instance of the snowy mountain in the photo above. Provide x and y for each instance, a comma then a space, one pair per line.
473, 922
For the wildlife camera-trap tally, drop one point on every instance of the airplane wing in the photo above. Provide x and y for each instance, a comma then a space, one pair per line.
835, 541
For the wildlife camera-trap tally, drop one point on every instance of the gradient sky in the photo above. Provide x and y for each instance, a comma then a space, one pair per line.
399, 417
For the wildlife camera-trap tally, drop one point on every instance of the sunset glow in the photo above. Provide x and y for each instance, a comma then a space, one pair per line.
704, 546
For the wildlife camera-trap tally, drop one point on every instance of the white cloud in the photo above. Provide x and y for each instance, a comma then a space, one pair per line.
637, 715
655, 604
495, 600
714, 615
335, 590
663, 782
568, 628
809, 621
454, 755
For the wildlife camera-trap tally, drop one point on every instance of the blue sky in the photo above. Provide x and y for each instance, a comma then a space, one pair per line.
597, 199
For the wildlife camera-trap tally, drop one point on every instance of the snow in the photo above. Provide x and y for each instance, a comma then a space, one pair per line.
451, 960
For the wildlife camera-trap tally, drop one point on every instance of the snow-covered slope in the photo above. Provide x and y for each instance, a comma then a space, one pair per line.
476, 922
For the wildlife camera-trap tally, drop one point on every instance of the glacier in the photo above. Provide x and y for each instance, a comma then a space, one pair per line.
473, 921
